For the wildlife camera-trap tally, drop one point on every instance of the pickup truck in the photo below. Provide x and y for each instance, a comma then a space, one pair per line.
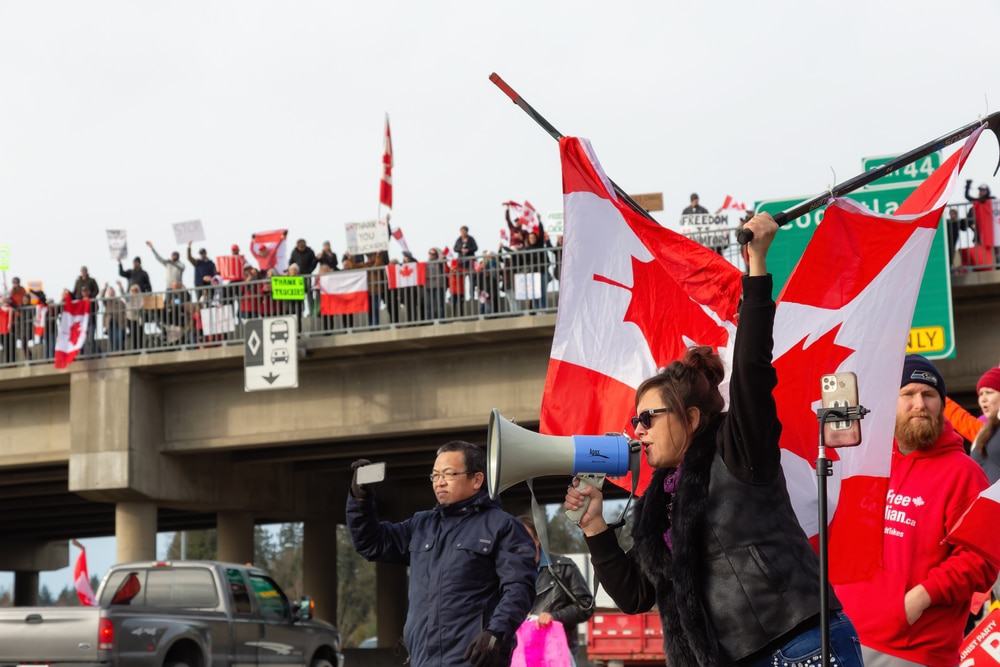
173, 614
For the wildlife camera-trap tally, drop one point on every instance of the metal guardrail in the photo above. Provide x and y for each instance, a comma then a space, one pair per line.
963, 239
486, 286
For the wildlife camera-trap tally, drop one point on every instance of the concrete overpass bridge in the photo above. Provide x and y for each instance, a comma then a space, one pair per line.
135, 444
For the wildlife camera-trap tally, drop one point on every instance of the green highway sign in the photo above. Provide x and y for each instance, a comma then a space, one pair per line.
288, 288
933, 328
912, 174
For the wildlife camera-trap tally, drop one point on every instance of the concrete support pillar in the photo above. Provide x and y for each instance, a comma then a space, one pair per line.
26, 588
319, 565
135, 531
390, 603
235, 534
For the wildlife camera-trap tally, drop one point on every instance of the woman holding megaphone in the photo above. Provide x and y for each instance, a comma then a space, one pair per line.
718, 549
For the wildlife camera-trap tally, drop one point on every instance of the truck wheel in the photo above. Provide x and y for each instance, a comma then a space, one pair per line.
321, 662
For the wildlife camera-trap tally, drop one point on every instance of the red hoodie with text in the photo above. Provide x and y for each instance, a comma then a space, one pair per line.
928, 492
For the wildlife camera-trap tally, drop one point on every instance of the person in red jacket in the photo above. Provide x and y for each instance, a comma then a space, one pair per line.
914, 610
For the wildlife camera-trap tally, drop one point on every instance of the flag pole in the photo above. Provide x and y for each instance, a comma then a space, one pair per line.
991, 122
557, 135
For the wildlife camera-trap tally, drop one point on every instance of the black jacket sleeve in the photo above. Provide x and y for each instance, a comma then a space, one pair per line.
750, 433
376, 540
572, 613
620, 575
515, 563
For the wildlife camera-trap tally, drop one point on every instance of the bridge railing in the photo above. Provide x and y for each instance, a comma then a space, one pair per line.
490, 285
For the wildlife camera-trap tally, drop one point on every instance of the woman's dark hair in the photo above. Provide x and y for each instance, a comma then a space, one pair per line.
475, 455
986, 433
691, 382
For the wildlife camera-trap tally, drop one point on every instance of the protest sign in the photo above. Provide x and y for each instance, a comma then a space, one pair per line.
366, 237
707, 229
651, 201
4, 257
288, 288
190, 231
981, 647
217, 320
117, 244
554, 224
527, 286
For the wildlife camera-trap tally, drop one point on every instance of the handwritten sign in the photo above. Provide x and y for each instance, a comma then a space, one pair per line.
288, 288
366, 237
188, 232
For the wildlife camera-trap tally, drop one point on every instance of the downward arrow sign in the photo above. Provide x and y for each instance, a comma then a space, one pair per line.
271, 377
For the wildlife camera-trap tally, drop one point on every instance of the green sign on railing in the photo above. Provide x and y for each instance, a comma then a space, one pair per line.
288, 288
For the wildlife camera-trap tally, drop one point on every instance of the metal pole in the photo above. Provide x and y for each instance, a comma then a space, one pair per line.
516, 98
823, 470
991, 122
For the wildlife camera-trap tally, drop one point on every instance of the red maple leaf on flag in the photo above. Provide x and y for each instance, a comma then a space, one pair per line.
405, 270
799, 370
74, 333
664, 313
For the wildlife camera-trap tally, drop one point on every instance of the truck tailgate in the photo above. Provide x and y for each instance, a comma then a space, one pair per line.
49, 634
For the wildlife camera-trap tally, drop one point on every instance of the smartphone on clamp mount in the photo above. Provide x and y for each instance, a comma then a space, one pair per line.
840, 390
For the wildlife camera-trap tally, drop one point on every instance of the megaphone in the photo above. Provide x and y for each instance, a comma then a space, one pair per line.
515, 454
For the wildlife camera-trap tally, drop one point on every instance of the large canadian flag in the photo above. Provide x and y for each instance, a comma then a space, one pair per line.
633, 296
848, 306
270, 249
407, 274
73, 322
343, 292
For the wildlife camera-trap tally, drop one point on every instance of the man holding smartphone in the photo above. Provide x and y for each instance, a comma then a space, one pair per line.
472, 565
914, 610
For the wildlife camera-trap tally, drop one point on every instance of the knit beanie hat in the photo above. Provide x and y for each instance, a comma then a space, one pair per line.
991, 379
918, 369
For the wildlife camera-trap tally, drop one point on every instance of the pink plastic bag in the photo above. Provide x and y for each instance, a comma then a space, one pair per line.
541, 647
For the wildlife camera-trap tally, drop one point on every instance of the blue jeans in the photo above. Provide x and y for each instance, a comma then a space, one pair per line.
804, 649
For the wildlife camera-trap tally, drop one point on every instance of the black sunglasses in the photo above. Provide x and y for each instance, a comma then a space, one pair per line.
646, 417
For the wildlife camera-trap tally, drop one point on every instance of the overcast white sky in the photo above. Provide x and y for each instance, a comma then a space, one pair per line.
255, 115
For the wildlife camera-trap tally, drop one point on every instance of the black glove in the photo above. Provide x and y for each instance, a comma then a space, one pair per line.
357, 490
486, 650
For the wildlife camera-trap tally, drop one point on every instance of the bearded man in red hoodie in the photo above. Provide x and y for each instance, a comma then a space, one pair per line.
914, 610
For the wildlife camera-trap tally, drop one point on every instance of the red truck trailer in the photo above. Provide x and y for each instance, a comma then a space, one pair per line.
617, 639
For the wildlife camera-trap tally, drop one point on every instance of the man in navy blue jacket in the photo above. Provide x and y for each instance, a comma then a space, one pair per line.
472, 565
